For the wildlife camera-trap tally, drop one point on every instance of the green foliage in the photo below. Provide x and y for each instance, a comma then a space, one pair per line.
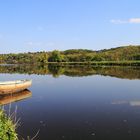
42, 58
55, 57
76, 51
136, 57
7, 128
127, 53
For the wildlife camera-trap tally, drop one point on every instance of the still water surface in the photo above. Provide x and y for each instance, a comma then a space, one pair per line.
78, 103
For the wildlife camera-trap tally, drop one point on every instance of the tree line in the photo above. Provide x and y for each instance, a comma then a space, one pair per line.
126, 53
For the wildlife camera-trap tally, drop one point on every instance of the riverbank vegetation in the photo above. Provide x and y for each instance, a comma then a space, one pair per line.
128, 55
7, 127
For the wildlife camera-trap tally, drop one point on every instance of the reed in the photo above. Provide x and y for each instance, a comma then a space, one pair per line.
8, 125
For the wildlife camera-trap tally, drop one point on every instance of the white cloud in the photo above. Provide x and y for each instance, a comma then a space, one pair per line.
31, 43
118, 21
131, 20
134, 20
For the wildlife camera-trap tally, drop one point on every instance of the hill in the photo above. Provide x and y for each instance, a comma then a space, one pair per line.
125, 53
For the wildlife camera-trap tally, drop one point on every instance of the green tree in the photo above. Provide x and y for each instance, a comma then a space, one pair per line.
43, 58
55, 56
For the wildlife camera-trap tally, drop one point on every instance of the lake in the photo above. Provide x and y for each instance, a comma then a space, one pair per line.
77, 102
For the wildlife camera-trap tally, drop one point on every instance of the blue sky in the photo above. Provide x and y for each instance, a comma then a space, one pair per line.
44, 25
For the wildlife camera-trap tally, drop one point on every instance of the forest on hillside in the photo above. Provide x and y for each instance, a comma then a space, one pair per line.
127, 53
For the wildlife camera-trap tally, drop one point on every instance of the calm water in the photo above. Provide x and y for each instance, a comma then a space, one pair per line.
78, 103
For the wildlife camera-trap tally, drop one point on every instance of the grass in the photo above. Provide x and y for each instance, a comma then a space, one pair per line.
7, 127
99, 63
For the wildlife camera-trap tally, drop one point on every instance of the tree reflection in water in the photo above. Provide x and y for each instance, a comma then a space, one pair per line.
74, 70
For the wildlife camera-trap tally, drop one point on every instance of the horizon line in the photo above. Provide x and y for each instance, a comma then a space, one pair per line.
71, 49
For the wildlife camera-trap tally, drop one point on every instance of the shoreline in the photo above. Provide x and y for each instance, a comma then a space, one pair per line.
111, 63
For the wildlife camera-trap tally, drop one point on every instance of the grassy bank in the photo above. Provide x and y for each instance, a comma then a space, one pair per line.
7, 127
99, 63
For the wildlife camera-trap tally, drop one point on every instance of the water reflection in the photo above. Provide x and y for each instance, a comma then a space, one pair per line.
78, 108
74, 71
131, 103
6, 99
